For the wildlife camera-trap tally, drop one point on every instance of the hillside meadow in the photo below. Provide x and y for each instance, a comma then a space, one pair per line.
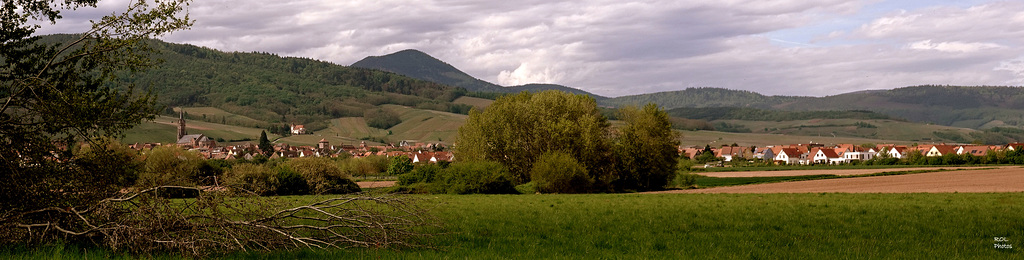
695, 226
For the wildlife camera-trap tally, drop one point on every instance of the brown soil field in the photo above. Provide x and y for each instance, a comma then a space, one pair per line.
827, 171
1003, 179
375, 184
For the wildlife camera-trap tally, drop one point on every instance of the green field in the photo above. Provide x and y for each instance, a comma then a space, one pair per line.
214, 114
700, 226
165, 129
479, 103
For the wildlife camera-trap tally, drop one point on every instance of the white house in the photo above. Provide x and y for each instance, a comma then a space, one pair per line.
826, 156
789, 156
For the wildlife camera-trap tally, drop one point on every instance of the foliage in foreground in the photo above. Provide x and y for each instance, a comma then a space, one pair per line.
220, 222
703, 226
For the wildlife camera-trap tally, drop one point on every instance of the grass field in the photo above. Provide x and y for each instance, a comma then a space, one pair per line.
214, 114
479, 103
700, 226
165, 129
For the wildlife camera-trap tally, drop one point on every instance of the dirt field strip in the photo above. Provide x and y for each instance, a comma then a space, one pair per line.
375, 184
1003, 179
833, 171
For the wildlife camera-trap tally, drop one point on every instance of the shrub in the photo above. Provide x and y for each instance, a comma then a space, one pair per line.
171, 166
558, 172
290, 182
424, 173
323, 176
526, 188
256, 178
475, 177
685, 180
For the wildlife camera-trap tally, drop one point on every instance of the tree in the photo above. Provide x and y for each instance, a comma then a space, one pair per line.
516, 129
265, 144
399, 165
58, 94
645, 149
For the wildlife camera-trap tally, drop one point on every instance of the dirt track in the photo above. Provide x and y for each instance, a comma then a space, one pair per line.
375, 184
821, 172
1005, 179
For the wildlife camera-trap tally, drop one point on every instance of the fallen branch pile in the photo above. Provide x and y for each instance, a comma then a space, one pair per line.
221, 222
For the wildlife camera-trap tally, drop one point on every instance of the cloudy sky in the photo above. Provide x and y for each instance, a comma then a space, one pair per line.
623, 47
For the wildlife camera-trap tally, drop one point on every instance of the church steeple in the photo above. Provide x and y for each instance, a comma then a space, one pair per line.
181, 123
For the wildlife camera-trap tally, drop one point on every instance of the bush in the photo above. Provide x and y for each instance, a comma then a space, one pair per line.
558, 172
475, 177
323, 176
685, 180
527, 188
424, 173
290, 182
256, 178
171, 166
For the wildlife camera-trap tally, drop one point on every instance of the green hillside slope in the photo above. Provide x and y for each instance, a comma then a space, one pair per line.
981, 107
273, 89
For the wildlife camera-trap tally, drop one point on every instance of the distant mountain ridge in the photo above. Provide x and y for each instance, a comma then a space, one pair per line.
419, 65
977, 107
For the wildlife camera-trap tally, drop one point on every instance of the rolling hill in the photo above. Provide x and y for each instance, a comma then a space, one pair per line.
242, 93
276, 90
981, 107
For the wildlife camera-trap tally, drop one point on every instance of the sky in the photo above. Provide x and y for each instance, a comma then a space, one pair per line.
623, 47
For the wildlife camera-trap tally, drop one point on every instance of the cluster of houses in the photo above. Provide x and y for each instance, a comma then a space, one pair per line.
805, 154
208, 148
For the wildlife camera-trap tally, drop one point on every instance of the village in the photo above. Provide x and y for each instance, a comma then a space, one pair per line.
790, 154
808, 154
210, 149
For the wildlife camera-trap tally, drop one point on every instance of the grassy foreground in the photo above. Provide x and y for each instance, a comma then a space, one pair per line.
716, 226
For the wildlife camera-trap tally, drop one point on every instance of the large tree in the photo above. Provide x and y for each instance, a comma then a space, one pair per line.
646, 148
516, 130
56, 94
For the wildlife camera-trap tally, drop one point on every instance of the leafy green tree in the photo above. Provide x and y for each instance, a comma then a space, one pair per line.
58, 94
399, 165
516, 129
645, 149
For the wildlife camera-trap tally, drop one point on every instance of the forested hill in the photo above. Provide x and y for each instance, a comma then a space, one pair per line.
754, 114
704, 97
978, 107
419, 65
278, 89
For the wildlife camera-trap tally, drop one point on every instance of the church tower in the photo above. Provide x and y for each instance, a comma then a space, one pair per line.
181, 123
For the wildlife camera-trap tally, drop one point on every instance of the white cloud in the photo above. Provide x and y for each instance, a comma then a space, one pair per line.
1014, 66
953, 46
630, 47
